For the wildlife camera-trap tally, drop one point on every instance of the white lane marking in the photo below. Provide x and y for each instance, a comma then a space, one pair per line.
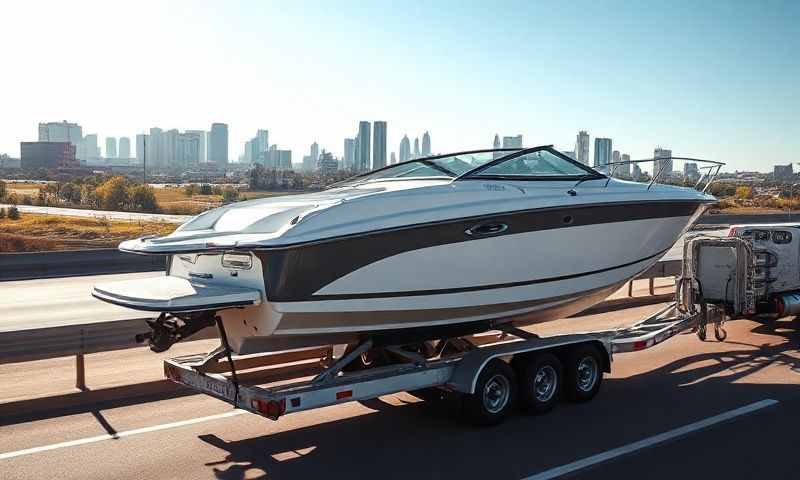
650, 441
128, 433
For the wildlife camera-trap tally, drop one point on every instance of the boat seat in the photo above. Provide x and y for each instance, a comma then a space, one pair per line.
174, 294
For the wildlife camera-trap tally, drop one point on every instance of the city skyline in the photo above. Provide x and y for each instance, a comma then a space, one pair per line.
726, 75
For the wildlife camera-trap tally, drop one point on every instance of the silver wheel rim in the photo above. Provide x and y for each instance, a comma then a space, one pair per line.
496, 393
545, 383
587, 373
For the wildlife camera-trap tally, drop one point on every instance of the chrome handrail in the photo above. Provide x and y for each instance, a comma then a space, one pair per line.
715, 167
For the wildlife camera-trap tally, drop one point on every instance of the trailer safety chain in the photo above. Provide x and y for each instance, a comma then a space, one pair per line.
234, 379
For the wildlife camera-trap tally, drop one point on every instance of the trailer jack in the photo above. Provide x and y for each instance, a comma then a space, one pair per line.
166, 330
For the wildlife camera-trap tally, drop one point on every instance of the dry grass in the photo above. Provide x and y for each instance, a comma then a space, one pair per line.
35, 232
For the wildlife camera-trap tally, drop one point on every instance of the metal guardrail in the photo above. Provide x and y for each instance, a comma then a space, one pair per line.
79, 340
70, 263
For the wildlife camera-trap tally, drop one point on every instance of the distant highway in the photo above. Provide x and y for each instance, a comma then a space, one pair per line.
123, 216
60, 301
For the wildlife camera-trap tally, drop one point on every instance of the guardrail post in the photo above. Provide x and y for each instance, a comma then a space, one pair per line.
80, 367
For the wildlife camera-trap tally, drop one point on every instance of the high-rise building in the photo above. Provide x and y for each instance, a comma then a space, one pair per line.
379, 145
392, 159
314, 152
496, 144
278, 159
111, 147
198, 137
615, 159
662, 166
625, 169
218, 145
569, 153
416, 148
582, 147
691, 171
60, 132
349, 153
141, 143
602, 152
263, 140
47, 155
426, 144
170, 159
87, 149
512, 142
782, 172
124, 147
326, 164
191, 148
636, 172
405, 149
155, 148
364, 134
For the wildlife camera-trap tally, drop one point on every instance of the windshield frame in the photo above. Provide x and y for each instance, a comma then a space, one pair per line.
474, 174
508, 152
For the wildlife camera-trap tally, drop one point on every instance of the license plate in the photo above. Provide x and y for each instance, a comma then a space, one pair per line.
212, 386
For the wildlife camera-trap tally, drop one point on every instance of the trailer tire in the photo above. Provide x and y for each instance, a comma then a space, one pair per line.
584, 373
493, 399
540, 378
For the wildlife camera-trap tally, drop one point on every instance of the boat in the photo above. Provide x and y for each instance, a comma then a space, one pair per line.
434, 247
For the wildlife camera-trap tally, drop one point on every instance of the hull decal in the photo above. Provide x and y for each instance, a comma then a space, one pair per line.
295, 274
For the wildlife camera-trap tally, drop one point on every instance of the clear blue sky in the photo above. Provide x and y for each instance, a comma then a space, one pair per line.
714, 79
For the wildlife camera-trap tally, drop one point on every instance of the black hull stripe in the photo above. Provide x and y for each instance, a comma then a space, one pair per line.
443, 291
296, 274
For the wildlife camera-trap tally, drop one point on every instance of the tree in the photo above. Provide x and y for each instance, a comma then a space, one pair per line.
205, 189
230, 194
26, 200
2, 213
3, 190
143, 198
13, 213
744, 192
89, 196
190, 190
113, 194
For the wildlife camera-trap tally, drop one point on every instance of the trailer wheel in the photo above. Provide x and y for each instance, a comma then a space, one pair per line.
540, 378
584, 373
494, 395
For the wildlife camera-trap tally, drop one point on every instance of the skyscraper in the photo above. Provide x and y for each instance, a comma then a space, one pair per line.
349, 153
663, 162
625, 169
263, 140
124, 147
379, 145
198, 137
582, 147
405, 149
512, 142
314, 153
141, 142
170, 158
218, 144
426, 144
87, 148
111, 147
602, 152
393, 159
615, 159
60, 132
496, 145
416, 147
155, 143
364, 134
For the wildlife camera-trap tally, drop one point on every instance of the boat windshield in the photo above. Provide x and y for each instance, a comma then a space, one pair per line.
444, 166
541, 163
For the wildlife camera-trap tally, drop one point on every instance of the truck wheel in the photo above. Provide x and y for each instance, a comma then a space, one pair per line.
494, 395
540, 378
584, 373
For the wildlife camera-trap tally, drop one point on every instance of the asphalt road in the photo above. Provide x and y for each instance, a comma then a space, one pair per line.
666, 389
60, 301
